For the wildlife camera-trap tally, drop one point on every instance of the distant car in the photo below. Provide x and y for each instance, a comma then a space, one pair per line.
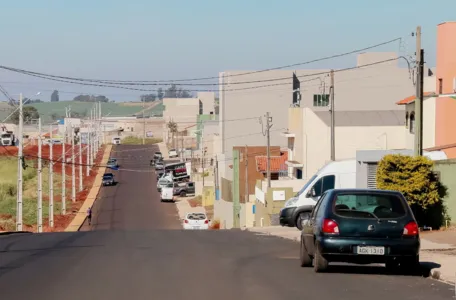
162, 182
116, 140
361, 226
160, 175
166, 193
183, 189
158, 155
108, 179
159, 166
173, 153
112, 163
197, 221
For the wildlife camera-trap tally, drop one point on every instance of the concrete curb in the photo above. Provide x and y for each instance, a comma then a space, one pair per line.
80, 217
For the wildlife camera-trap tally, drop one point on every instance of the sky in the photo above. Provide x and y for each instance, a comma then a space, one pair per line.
179, 39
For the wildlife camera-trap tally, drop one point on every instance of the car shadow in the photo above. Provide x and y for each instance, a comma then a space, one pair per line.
425, 269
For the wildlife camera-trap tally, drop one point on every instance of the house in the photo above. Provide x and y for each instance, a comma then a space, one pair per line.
439, 103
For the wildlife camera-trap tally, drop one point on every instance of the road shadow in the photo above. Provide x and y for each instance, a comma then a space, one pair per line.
425, 270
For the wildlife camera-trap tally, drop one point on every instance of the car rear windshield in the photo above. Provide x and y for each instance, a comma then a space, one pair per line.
369, 205
196, 217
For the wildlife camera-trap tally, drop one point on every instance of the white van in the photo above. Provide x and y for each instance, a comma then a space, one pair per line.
334, 175
116, 140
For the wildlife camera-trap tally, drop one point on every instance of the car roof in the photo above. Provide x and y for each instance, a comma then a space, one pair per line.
373, 191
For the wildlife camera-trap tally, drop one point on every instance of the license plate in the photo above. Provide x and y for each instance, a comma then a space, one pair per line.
196, 227
368, 250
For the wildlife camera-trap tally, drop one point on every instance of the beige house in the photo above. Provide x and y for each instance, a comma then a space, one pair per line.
309, 136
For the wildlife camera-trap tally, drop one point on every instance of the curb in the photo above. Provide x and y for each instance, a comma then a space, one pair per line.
13, 232
80, 217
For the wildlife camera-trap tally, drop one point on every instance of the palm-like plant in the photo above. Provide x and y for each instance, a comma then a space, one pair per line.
172, 127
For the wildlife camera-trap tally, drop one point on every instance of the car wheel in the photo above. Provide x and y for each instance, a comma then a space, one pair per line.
183, 194
306, 260
302, 216
320, 263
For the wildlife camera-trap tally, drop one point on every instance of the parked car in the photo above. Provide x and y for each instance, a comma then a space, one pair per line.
196, 221
360, 226
116, 140
166, 193
173, 153
162, 182
112, 163
108, 179
183, 189
158, 155
160, 174
159, 166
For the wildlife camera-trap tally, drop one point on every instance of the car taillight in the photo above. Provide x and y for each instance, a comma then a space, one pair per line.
330, 227
186, 221
206, 222
411, 229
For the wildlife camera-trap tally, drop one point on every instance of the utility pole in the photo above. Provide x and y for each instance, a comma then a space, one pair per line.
40, 182
182, 146
51, 179
100, 125
268, 145
20, 165
73, 171
333, 135
246, 164
80, 161
216, 179
419, 95
235, 187
144, 122
63, 174
88, 151
204, 153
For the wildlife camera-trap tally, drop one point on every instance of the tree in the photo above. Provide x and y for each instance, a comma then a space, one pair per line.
172, 127
160, 94
148, 98
55, 96
91, 98
174, 92
29, 113
413, 176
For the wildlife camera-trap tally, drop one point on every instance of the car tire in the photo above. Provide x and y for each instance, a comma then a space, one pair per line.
183, 194
305, 259
301, 216
320, 263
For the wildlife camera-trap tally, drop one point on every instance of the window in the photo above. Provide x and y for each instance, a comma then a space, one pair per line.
324, 184
406, 119
321, 100
316, 207
369, 205
440, 86
412, 123
323, 203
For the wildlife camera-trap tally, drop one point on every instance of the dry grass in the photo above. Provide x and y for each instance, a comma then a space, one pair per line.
196, 201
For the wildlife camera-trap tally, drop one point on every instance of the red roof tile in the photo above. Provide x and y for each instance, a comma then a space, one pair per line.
411, 99
277, 162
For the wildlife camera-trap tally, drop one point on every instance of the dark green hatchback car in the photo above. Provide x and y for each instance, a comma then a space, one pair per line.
361, 226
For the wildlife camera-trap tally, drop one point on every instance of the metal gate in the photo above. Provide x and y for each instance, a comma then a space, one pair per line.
372, 176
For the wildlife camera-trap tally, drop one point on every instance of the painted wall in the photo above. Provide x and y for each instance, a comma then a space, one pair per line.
447, 169
208, 101
429, 124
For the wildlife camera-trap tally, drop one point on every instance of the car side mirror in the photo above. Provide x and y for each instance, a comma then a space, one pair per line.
311, 193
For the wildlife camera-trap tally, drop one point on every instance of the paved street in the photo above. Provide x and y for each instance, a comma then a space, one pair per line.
131, 252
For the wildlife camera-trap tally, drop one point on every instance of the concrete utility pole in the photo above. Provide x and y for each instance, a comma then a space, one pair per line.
101, 139
246, 164
40, 181
88, 151
419, 95
333, 124
182, 146
73, 170
235, 187
216, 179
51, 179
80, 161
64, 174
268, 144
204, 152
144, 122
19, 168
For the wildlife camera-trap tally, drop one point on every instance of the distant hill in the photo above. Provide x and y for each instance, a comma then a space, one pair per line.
52, 110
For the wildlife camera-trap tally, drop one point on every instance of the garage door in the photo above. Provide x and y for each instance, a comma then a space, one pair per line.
371, 176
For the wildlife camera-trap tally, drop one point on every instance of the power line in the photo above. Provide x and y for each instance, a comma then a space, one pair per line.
168, 82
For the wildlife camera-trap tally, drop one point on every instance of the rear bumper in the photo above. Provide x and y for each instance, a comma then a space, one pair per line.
202, 227
344, 249
286, 216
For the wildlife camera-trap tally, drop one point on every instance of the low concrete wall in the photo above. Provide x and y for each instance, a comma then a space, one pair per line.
447, 170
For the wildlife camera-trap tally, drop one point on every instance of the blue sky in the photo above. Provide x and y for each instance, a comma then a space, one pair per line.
161, 40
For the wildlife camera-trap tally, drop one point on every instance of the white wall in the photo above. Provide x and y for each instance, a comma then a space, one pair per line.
348, 140
429, 119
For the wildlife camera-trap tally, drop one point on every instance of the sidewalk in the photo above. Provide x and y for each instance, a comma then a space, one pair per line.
438, 256
80, 217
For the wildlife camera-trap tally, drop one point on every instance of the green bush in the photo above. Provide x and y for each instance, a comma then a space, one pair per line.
413, 176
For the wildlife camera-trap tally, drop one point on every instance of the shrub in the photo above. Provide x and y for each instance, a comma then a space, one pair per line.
414, 178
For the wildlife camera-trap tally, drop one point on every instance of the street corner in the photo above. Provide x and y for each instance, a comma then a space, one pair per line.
290, 233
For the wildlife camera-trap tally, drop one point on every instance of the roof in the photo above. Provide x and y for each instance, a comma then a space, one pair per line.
277, 163
412, 98
364, 118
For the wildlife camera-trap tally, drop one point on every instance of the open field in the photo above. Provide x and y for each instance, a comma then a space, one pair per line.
47, 109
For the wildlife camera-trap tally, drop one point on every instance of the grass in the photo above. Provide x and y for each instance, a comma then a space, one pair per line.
8, 193
132, 140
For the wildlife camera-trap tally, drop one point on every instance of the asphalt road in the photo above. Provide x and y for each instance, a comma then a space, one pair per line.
131, 252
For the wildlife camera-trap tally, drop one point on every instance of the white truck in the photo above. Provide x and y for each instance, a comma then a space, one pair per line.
334, 175
7, 138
